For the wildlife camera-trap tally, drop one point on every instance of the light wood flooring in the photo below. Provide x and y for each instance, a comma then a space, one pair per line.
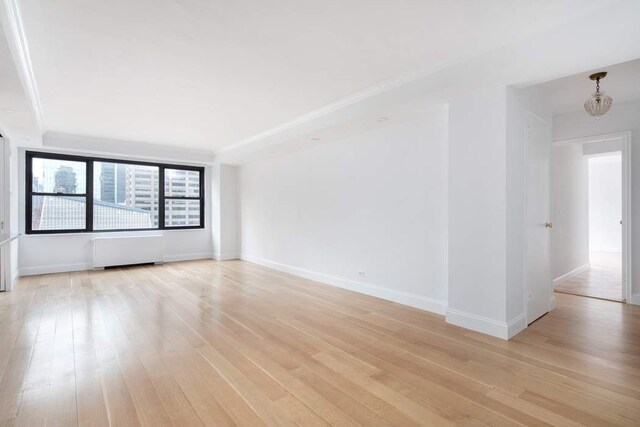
223, 343
602, 280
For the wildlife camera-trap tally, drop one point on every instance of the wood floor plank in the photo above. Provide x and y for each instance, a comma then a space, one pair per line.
234, 343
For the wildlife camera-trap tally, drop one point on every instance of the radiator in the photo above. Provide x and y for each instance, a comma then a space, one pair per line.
110, 251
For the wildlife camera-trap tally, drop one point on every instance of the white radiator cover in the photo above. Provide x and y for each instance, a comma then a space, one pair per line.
116, 250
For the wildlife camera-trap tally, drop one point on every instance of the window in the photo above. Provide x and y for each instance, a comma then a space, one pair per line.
125, 196
181, 196
81, 194
58, 195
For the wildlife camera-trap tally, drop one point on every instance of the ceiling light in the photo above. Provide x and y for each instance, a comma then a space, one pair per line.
315, 139
8, 110
599, 103
383, 119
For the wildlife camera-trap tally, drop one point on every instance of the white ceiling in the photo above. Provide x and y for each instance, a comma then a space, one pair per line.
206, 74
569, 94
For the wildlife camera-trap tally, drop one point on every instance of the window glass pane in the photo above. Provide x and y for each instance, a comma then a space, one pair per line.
125, 196
58, 213
181, 213
181, 183
59, 176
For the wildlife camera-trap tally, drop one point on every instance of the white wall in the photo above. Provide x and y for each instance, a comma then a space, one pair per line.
622, 117
49, 253
375, 202
225, 214
569, 207
520, 103
477, 209
605, 203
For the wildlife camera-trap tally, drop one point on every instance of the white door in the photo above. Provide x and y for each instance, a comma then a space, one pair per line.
538, 223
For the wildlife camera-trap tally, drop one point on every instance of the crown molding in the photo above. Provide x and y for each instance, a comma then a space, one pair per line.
17, 35
130, 149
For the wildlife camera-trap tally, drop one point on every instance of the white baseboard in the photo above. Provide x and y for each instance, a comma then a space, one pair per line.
560, 280
225, 256
406, 298
14, 280
65, 268
503, 330
516, 325
635, 299
610, 250
57, 268
188, 257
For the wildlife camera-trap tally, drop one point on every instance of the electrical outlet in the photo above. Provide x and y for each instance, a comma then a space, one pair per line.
360, 273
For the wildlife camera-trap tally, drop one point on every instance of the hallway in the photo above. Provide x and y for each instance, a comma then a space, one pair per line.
603, 280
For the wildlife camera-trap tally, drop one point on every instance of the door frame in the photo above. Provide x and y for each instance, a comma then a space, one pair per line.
5, 187
627, 218
525, 278
6, 269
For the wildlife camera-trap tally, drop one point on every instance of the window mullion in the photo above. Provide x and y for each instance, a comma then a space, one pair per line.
161, 192
89, 198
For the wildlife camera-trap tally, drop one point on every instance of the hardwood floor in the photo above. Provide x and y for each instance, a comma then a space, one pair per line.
222, 343
602, 280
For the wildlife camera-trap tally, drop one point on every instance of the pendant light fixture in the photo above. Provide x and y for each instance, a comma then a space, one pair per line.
599, 103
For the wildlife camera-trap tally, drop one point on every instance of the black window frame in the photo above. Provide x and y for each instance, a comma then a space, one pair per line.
89, 196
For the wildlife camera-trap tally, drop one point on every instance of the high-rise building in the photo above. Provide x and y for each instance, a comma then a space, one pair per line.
107, 182
113, 183
142, 189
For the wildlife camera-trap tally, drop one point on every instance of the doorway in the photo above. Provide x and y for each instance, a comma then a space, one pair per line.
590, 206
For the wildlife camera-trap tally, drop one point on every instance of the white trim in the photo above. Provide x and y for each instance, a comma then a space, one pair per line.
123, 149
516, 325
225, 256
56, 268
484, 325
188, 257
561, 279
588, 139
65, 268
406, 298
627, 214
16, 29
5, 213
14, 280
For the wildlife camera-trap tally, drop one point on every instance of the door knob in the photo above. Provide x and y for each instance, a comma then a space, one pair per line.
548, 224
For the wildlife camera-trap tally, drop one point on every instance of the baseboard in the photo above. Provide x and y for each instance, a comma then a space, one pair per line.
560, 280
14, 280
635, 299
188, 257
405, 298
516, 325
503, 330
65, 268
225, 256
57, 268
